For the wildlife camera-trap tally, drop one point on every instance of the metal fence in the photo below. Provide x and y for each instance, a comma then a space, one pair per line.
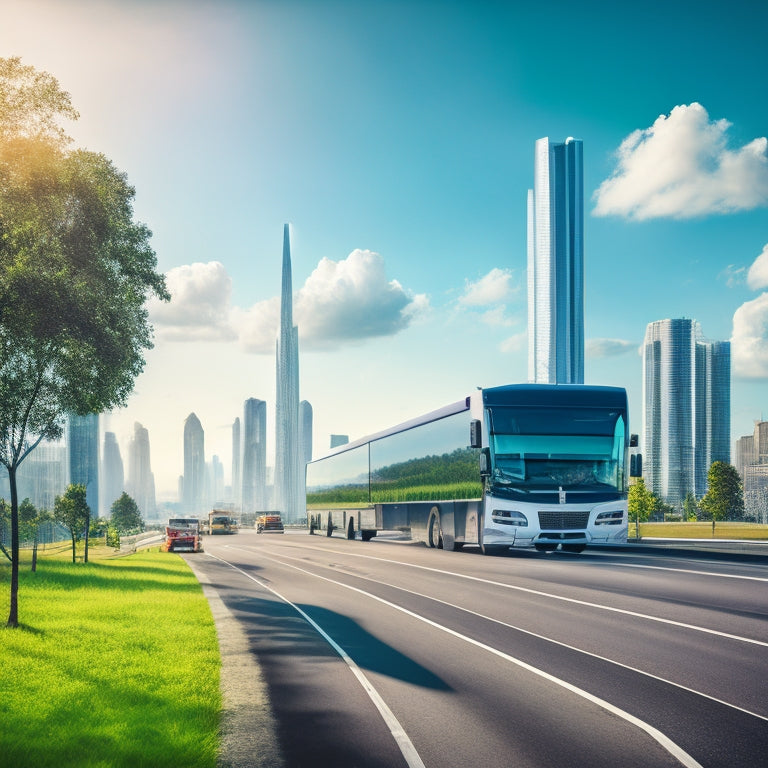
48, 532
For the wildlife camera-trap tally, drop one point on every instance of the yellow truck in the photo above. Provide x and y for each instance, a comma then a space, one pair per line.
220, 522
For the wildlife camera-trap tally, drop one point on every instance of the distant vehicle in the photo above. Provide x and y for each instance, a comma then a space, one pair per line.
183, 534
269, 524
525, 465
220, 523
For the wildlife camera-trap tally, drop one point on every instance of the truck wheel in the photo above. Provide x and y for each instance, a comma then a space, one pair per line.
434, 533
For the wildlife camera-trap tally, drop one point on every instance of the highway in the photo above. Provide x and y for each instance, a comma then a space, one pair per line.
387, 653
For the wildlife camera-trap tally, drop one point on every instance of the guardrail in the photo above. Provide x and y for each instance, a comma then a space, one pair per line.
140, 541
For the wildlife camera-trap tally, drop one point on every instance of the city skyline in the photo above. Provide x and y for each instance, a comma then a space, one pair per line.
405, 178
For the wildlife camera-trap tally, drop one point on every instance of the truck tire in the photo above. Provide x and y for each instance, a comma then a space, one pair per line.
434, 531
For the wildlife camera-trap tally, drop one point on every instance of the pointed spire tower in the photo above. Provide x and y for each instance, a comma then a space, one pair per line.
287, 455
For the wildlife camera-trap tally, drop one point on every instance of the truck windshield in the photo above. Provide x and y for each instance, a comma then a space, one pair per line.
546, 448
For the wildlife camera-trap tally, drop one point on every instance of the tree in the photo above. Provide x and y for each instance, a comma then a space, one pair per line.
641, 502
724, 499
30, 519
690, 507
75, 274
126, 516
72, 510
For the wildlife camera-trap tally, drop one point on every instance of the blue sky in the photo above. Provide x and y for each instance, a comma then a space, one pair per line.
397, 139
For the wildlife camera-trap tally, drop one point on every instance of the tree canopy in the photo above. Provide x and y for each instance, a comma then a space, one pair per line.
724, 499
125, 515
641, 501
75, 273
72, 510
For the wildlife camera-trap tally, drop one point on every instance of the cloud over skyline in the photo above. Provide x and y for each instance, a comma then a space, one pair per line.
749, 342
349, 300
681, 167
199, 307
609, 347
757, 276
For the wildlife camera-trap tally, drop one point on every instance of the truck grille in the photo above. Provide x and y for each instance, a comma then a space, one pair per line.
557, 520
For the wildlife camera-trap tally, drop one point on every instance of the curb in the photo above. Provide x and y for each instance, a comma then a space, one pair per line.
248, 728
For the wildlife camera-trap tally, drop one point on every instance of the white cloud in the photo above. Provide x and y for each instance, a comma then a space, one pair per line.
494, 288
609, 347
749, 342
681, 167
516, 343
345, 301
733, 275
757, 277
199, 307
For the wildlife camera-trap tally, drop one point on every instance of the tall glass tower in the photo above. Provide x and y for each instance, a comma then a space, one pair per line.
83, 452
288, 482
687, 407
237, 490
556, 264
112, 474
194, 465
254, 456
141, 482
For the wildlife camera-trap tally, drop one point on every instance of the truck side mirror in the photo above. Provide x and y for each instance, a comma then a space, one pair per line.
485, 462
636, 465
475, 434
633, 441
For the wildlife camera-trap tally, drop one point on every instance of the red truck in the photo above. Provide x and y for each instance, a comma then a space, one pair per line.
183, 534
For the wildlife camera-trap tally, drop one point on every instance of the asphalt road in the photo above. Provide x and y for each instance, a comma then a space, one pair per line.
343, 653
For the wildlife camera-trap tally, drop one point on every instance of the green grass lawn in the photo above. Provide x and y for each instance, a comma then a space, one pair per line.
115, 663
701, 530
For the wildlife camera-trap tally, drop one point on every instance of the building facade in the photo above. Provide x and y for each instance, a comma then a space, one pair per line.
752, 465
254, 456
140, 485
112, 473
236, 464
83, 456
288, 482
194, 466
686, 408
556, 264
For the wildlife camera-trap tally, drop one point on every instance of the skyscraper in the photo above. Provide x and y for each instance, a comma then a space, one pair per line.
112, 473
254, 456
236, 463
686, 404
287, 450
83, 456
194, 465
141, 482
305, 445
556, 264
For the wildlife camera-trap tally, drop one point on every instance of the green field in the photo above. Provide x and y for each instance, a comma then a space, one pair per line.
115, 663
701, 530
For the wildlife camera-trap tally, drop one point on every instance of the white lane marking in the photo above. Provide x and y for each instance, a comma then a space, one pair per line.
688, 570
546, 639
409, 752
549, 595
664, 741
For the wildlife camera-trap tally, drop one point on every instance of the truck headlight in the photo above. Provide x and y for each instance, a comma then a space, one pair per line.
610, 518
509, 517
